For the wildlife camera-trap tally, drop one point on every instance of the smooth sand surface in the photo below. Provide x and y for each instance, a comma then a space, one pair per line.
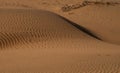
39, 41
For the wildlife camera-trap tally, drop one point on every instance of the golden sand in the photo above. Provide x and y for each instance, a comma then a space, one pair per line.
39, 41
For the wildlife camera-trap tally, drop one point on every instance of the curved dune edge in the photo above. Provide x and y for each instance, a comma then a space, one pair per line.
47, 43
102, 20
16, 27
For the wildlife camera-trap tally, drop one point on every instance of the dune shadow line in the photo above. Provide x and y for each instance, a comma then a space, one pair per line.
83, 29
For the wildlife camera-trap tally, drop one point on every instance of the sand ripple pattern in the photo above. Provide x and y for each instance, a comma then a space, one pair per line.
53, 45
22, 27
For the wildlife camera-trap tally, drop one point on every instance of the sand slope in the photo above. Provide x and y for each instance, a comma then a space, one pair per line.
102, 20
40, 41
33, 25
93, 17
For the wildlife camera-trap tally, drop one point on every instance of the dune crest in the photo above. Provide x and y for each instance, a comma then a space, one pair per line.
20, 25
38, 41
41, 41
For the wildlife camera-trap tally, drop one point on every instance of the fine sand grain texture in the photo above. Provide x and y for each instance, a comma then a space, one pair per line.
82, 40
100, 14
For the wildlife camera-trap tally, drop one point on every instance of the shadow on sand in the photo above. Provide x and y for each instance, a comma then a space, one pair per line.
81, 28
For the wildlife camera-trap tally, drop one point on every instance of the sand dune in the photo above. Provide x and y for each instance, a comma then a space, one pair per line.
102, 20
92, 17
19, 25
41, 41
38, 41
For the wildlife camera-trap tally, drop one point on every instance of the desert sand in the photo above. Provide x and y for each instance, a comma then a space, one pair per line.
38, 37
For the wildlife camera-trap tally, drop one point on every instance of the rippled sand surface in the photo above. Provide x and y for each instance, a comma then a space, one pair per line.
84, 40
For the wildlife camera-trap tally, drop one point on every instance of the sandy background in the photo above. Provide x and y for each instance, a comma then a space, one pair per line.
93, 17
32, 40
